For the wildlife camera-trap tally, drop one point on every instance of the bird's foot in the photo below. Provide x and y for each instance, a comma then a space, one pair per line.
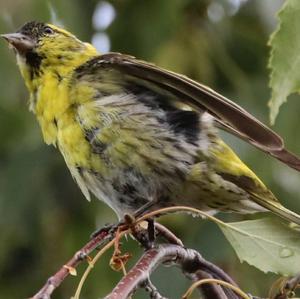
144, 209
144, 235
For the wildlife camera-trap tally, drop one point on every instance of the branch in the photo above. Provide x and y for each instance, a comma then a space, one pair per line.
99, 239
103, 236
152, 290
189, 260
209, 290
167, 234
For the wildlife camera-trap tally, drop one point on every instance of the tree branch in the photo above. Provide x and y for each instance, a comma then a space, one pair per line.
190, 261
103, 236
152, 290
209, 290
99, 238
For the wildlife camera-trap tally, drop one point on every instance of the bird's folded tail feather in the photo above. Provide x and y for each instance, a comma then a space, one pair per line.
277, 209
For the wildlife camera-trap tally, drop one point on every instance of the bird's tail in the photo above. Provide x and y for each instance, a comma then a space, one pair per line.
278, 209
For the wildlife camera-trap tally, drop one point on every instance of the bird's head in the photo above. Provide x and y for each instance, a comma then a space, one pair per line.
42, 47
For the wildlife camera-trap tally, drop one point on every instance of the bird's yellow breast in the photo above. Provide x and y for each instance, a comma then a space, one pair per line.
71, 141
51, 103
56, 113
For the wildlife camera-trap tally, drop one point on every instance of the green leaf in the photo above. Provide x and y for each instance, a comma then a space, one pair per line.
285, 59
268, 244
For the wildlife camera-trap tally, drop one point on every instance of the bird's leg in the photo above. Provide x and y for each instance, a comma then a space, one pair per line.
129, 221
144, 209
145, 237
147, 240
137, 230
151, 231
112, 228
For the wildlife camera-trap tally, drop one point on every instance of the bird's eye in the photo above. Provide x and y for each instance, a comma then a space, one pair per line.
48, 30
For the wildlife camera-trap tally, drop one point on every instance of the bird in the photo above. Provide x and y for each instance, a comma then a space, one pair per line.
139, 136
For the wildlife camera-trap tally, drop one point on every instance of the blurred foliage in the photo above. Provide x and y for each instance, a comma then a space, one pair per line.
284, 61
43, 216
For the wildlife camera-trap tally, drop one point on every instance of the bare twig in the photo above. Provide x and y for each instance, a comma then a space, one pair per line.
54, 281
152, 290
189, 260
209, 290
167, 234
90, 266
211, 281
99, 239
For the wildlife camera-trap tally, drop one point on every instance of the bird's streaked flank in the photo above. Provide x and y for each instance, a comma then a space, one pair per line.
132, 133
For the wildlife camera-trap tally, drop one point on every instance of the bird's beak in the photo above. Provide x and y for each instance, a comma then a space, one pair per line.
20, 42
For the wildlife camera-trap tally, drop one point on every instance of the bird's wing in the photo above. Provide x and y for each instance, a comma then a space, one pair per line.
228, 114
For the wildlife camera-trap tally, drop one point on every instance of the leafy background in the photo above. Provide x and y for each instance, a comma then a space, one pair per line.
43, 216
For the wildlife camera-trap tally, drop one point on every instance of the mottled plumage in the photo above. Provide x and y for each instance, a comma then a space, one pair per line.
132, 133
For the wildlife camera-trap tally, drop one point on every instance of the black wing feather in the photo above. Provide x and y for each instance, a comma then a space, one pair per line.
228, 114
